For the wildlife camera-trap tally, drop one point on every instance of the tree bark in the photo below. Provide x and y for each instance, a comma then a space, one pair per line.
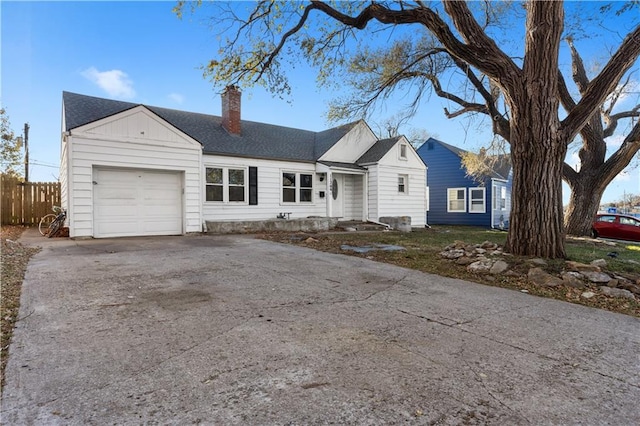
584, 204
536, 221
537, 149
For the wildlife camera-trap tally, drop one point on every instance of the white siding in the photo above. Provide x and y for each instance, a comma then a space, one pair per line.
64, 170
269, 191
390, 201
372, 196
352, 145
134, 139
353, 197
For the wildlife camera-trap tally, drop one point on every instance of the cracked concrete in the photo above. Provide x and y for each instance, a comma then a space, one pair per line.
232, 330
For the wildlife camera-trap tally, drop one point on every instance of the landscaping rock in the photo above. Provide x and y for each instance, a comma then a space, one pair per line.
581, 267
465, 260
452, 254
601, 263
617, 292
587, 295
480, 266
538, 261
633, 288
489, 245
499, 267
597, 277
613, 283
569, 279
543, 279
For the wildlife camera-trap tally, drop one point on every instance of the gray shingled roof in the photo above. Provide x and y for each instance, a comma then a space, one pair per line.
258, 140
378, 150
342, 165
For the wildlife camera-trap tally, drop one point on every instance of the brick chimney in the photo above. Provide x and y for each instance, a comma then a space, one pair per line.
231, 110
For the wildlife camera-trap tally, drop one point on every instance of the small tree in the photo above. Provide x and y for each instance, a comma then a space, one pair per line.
10, 148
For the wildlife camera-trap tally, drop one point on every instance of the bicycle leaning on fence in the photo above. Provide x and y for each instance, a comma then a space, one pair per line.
52, 223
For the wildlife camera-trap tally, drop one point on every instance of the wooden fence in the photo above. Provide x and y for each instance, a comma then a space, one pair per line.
25, 203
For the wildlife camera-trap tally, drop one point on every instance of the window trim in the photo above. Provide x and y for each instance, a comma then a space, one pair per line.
226, 185
464, 204
298, 187
484, 200
405, 184
401, 147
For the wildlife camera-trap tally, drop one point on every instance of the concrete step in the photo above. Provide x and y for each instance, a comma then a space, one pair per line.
360, 226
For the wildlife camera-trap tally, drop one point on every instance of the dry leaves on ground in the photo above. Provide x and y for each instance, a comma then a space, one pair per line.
15, 257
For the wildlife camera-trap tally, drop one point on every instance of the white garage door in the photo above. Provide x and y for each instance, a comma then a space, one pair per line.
136, 202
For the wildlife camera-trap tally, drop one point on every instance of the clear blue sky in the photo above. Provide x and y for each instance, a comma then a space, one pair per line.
142, 53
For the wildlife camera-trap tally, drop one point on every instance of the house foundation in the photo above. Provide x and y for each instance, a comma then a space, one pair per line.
288, 225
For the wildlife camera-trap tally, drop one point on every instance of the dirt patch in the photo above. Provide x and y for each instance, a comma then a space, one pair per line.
15, 257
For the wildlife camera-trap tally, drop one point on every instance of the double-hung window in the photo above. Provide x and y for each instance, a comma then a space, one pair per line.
297, 187
456, 200
477, 200
402, 184
226, 184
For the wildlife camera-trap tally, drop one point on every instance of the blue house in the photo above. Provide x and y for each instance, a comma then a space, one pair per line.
457, 199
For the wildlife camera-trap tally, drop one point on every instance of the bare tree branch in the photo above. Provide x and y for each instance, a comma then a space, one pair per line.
606, 81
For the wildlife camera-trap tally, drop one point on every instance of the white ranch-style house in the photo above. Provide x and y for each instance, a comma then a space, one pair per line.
130, 170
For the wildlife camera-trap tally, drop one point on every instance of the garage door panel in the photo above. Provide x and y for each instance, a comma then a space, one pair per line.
116, 211
117, 193
137, 202
123, 227
159, 227
160, 195
151, 212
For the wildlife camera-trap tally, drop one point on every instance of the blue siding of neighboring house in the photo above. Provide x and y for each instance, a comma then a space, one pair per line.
444, 171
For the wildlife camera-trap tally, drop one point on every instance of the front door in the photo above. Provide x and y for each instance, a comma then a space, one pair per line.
337, 193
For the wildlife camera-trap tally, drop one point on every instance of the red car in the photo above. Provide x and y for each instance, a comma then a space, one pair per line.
617, 226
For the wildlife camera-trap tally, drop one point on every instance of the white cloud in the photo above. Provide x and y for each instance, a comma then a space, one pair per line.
115, 82
177, 98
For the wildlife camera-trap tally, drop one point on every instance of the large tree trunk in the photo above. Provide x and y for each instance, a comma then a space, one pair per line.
583, 206
536, 224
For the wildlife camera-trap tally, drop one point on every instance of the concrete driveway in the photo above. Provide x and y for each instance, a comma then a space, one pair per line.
233, 330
